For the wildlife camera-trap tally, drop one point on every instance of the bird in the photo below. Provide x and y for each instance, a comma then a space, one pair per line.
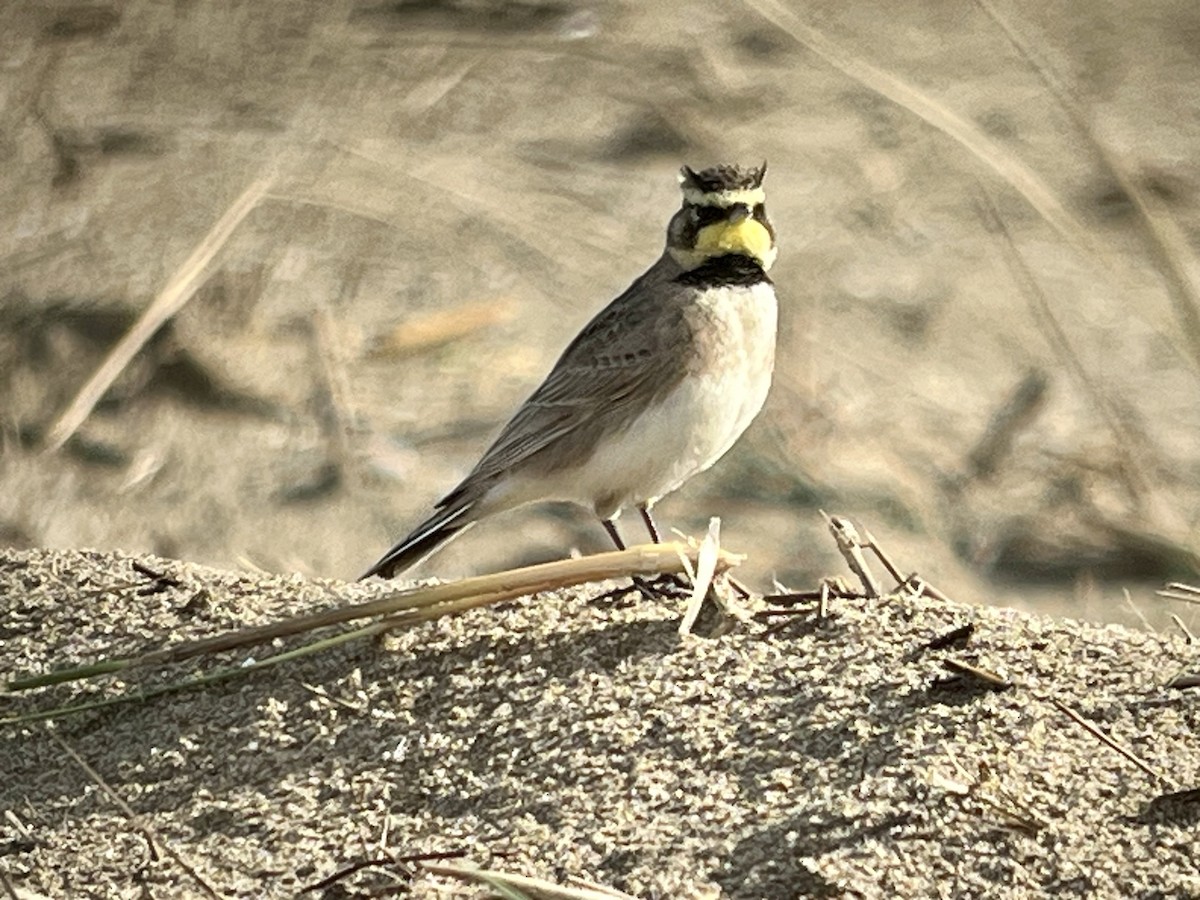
654, 389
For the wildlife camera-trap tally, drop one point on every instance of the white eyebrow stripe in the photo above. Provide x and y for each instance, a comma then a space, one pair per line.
748, 196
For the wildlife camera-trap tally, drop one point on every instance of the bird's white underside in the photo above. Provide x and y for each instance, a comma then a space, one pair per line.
683, 435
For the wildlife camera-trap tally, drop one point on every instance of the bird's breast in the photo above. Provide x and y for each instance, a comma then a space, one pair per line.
699, 419
734, 357
733, 332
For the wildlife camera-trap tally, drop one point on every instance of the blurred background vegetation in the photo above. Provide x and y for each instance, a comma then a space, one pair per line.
988, 213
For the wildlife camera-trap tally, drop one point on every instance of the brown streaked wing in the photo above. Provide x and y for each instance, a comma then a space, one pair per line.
629, 356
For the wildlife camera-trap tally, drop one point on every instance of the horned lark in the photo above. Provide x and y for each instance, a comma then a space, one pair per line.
654, 389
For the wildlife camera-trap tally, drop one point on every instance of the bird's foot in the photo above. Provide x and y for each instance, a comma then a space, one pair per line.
663, 587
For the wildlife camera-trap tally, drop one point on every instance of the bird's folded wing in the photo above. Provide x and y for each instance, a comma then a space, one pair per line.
624, 361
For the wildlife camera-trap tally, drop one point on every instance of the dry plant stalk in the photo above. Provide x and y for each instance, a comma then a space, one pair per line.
429, 330
850, 545
178, 291
702, 576
1014, 812
1177, 590
532, 887
153, 840
1182, 626
1178, 265
986, 676
403, 607
1110, 743
1008, 167
1183, 682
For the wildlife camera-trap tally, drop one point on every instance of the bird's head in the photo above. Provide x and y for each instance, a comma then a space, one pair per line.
723, 214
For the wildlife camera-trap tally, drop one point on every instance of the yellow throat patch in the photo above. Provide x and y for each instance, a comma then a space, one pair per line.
748, 237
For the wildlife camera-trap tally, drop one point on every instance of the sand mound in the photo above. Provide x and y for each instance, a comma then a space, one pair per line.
562, 736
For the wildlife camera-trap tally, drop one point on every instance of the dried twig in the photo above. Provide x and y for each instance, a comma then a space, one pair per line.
1016, 414
706, 567
179, 290
993, 155
416, 604
534, 887
133, 817
988, 677
1177, 262
850, 545
1110, 743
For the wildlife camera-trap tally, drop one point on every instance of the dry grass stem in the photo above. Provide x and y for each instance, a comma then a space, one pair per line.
1183, 682
403, 865
883, 557
178, 291
850, 545
154, 843
928, 590
985, 676
428, 330
533, 887
706, 567
430, 602
986, 788
412, 605
1011, 169
1182, 626
1177, 262
1137, 611
1110, 743
834, 587
1185, 593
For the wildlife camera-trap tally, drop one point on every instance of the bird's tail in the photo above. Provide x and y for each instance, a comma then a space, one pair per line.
449, 520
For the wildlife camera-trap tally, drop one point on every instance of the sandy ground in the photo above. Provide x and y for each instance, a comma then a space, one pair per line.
566, 736
458, 186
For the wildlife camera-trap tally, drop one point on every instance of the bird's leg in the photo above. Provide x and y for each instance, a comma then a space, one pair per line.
668, 585
610, 525
648, 589
677, 581
650, 526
